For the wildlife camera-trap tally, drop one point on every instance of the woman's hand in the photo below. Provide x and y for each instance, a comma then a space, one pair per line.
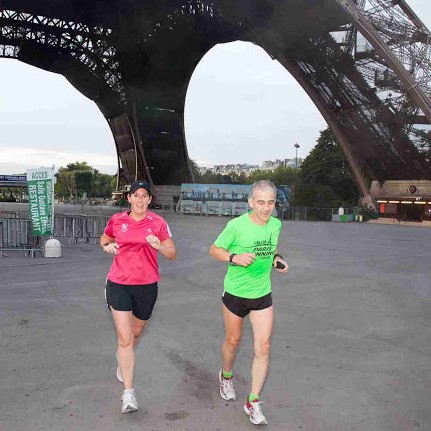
111, 248
153, 241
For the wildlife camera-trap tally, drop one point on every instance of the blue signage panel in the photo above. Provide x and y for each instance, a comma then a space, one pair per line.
13, 178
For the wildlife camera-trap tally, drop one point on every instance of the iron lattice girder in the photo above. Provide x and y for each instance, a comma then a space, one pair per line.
416, 82
360, 114
90, 46
411, 45
146, 53
407, 40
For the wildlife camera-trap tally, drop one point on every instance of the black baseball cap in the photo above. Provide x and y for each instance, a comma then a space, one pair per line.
139, 185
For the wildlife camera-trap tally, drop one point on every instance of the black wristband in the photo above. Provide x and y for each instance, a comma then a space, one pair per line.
231, 256
278, 255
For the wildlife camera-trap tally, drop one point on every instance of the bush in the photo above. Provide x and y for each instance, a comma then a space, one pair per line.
367, 212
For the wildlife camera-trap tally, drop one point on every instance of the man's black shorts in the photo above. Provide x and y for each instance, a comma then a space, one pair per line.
139, 299
242, 306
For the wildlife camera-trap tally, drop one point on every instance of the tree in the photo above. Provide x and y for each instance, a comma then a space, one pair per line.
65, 183
78, 166
79, 177
195, 170
284, 175
103, 185
326, 175
83, 181
258, 175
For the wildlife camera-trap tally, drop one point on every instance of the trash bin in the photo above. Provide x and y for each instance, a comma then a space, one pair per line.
360, 217
53, 248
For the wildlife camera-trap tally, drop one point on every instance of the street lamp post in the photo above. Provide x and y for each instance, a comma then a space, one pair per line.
296, 155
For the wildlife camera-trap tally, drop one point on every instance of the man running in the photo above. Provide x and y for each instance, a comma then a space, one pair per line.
248, 244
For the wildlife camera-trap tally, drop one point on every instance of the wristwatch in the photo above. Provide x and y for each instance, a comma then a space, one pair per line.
231, 257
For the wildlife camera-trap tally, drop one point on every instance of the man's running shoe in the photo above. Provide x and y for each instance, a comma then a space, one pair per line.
119, 376
254, 410
227, 392
129, 401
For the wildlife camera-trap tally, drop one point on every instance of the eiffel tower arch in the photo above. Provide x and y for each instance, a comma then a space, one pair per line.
365, 64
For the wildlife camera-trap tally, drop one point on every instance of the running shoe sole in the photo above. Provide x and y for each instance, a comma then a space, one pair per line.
129, 409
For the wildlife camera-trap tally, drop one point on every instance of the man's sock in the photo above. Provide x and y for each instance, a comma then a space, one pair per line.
253, 397
227, 375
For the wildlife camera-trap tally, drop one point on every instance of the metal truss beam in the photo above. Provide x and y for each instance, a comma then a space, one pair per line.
366, 64
89, 46
404, 47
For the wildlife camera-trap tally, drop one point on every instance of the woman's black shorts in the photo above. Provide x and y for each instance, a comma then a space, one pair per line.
139, 299
242, 306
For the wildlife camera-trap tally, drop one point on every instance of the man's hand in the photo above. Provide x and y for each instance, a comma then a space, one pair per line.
278, 259
244, 259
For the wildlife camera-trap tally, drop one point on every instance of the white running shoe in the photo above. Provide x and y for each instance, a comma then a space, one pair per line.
119, 376
254, 410
129, 401
227, 392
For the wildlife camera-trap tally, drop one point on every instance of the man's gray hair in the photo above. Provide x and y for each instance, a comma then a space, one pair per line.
260, 185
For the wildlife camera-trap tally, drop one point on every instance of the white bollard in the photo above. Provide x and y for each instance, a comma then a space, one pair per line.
53, 248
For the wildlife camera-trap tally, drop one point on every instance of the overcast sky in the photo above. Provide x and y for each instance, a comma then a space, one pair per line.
241, 107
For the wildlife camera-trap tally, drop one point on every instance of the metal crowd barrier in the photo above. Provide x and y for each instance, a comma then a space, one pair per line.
79, 227
15, 234
14, 214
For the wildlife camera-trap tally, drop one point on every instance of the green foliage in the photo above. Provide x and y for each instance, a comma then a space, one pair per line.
77, 166
368, 212
212, 178
83, 181
283, 175
313, 195
258, 175
65, 183
195, 169
325, 178
79, 177
102, 186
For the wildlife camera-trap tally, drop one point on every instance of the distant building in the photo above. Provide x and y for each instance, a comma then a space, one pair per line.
244, 168
291, 163
239, 169
203, 169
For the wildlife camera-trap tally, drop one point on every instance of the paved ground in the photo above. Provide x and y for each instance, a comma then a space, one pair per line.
351, 349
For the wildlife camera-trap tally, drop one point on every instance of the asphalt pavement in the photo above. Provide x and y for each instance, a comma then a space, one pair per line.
351, 349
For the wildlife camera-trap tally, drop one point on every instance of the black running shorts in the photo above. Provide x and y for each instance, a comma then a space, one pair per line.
242, 306
139, 299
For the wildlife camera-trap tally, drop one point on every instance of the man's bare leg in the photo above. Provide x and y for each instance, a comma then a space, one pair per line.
262, 324
233, 327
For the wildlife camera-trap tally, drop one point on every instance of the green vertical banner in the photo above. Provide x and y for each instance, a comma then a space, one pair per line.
40, 197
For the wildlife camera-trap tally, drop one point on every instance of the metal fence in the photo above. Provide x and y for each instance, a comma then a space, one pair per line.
15, 234
79, 227
292, 213
307, 214
15, 226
